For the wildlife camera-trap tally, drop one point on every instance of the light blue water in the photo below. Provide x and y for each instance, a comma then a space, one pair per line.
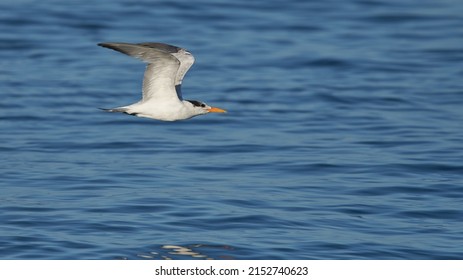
343, 138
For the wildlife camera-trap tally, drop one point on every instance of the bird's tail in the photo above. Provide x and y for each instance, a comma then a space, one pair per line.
124, 110
115, 110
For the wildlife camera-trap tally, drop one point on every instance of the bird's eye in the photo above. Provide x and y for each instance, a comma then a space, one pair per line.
203, 105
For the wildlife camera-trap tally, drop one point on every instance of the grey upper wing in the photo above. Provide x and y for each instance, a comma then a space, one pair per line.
185, 58
166, 67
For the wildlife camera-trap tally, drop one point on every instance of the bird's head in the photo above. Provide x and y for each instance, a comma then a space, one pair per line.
201, 108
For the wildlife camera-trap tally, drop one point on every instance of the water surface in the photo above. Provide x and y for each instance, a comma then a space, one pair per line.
342, 141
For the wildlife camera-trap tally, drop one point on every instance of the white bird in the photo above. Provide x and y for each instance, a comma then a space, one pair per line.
161, 94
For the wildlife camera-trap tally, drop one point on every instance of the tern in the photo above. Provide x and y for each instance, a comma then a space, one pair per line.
161, 93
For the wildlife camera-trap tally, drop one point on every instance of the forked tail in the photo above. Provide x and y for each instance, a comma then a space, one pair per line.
118, 110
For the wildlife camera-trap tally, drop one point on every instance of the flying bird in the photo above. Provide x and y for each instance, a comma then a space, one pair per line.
161, 93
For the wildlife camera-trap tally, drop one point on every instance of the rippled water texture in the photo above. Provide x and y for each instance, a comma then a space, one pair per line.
343, 138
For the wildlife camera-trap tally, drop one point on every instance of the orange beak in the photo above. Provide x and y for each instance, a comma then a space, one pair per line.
216, 110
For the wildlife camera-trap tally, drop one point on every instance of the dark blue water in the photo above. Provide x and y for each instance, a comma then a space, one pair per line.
343, 138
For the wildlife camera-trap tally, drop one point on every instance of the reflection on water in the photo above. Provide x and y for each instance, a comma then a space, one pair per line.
195, 251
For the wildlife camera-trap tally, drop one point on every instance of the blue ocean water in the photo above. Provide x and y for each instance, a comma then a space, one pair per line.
343, 138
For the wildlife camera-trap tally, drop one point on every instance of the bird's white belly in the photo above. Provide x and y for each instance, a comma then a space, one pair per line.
164, 111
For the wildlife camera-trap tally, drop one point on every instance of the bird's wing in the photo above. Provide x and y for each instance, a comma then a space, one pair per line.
166, 67
186, 61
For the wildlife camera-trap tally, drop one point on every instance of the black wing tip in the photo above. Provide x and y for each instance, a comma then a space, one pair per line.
107, 45
116, 47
